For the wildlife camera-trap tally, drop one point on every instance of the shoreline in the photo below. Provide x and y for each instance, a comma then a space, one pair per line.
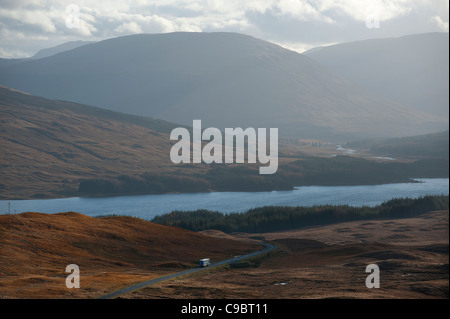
412, 180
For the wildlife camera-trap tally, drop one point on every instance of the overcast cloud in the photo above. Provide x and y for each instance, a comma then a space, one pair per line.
28, 26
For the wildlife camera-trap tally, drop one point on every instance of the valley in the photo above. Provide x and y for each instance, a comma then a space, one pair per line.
57, 149
100, 120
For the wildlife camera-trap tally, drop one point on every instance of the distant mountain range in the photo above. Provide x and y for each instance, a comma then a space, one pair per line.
224, 79
44, 53
59, 48
412, 70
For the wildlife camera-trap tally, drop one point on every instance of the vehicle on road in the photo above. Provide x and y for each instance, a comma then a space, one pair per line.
205, 262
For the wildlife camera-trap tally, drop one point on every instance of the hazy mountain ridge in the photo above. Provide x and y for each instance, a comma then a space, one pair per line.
44, 53
59, 48
224, 79
412, 70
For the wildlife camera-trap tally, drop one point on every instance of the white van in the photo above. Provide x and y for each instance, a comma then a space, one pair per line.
205, 262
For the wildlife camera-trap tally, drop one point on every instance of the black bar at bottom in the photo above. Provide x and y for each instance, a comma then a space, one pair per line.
230, 308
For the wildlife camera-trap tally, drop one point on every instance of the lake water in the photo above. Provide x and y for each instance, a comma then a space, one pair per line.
148, 206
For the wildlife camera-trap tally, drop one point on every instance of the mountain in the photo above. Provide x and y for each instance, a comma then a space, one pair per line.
54, 148
224, 79
412, 70
6, 62
46, 52
49, 146
59, 48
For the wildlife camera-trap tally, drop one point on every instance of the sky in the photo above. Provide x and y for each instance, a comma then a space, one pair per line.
29, 26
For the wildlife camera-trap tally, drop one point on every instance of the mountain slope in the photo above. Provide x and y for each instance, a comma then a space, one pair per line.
59, 48
48, 146
57, 148
413, 70
6, 62
110, 252
224, 79
430, 145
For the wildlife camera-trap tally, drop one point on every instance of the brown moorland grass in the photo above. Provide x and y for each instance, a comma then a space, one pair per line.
313, 262
330, 262
111, 252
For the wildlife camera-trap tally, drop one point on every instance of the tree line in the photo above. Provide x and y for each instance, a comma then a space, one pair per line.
277, 218
334, 171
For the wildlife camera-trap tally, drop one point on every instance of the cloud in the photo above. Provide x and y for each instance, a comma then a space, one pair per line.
359, 10
301, 10
128, 27
440, 23
39, 19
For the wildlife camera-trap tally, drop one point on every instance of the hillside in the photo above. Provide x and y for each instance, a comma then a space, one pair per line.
224, 79
110, 252
411, 70
323, 262
47, 145
57, 149
422, 146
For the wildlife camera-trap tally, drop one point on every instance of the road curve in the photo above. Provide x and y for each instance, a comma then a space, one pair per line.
114, 294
